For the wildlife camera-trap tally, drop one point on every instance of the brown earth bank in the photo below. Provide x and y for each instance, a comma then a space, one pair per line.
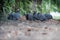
30, 30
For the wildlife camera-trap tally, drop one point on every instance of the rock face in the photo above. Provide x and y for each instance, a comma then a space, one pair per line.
16, 30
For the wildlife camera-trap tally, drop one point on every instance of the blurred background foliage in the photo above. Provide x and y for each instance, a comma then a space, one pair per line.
25, 6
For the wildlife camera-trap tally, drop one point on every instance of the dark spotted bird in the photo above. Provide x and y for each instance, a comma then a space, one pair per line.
10, 16
42, 17
35, 16
26, 15
48, 16
16, 16
29, 16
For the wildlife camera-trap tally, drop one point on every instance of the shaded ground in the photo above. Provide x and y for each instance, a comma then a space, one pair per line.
16, 30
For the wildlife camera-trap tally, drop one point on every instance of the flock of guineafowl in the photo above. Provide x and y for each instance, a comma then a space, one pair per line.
30, 16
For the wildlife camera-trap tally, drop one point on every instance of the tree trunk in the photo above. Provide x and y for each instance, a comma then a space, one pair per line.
17, 4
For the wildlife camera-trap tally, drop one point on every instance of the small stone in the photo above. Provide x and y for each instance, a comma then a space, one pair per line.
46, 27
29, 30
44, 33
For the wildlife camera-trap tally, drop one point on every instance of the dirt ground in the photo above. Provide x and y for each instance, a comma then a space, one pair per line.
17, 30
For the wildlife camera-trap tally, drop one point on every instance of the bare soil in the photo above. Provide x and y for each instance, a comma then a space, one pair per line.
27, 30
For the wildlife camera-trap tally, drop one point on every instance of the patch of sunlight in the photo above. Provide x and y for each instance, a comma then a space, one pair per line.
55, 15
